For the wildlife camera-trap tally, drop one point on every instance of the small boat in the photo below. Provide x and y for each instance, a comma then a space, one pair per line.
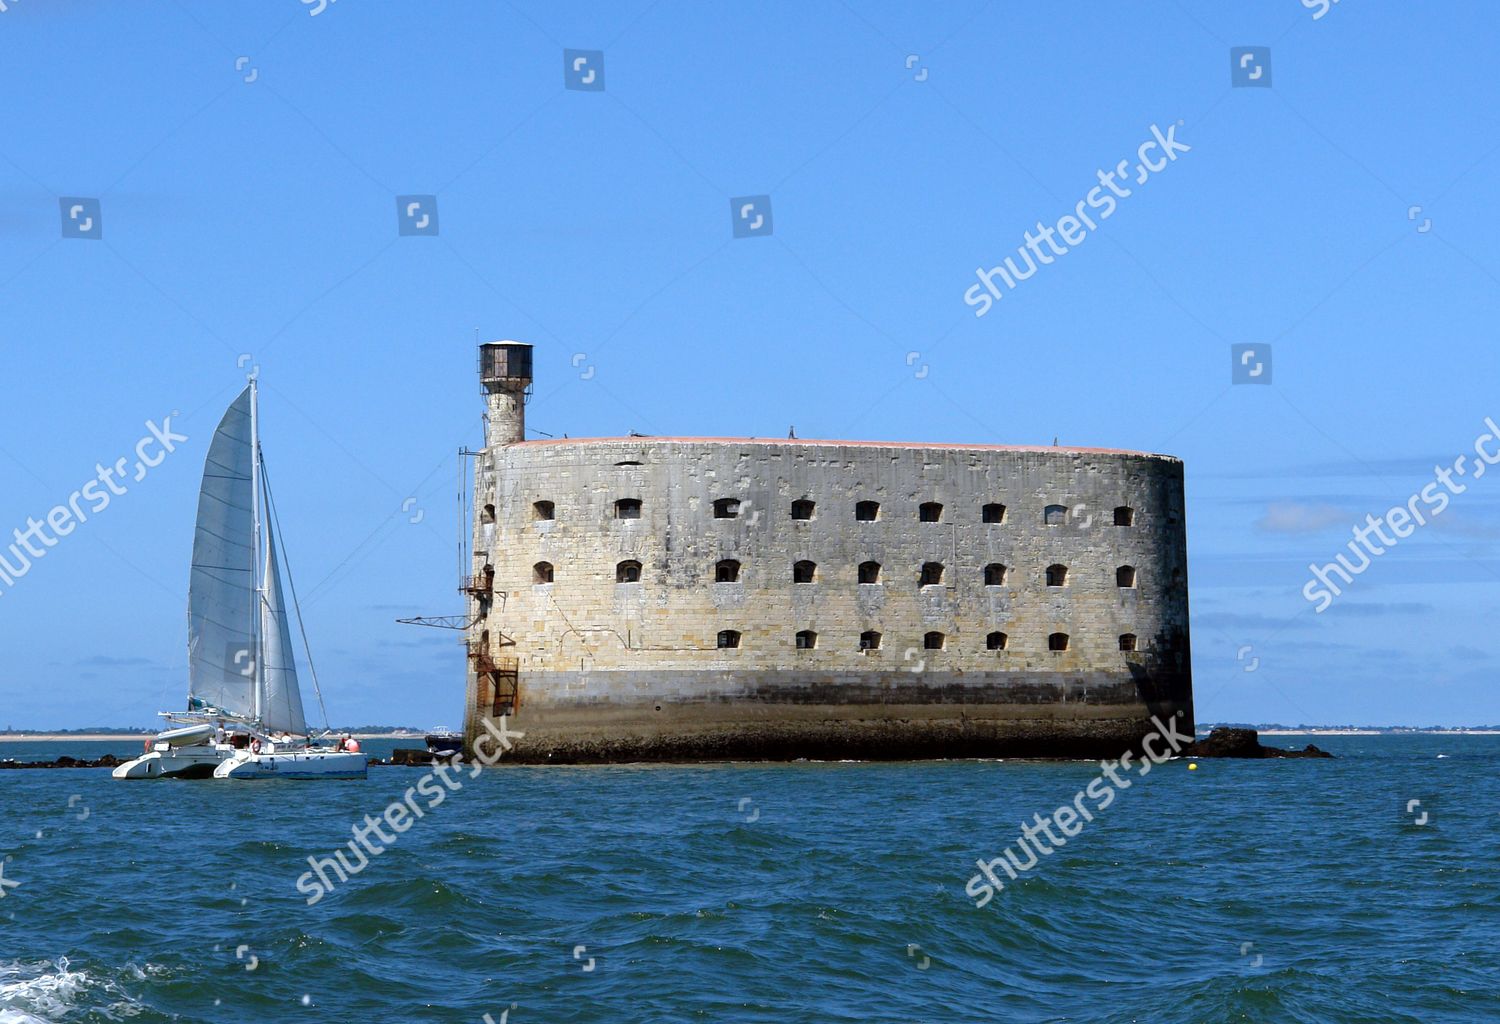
245, 717
445, 744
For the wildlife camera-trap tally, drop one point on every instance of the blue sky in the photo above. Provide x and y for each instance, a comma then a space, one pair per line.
248, 209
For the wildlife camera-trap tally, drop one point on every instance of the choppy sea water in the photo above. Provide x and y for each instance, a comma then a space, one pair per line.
1302, 891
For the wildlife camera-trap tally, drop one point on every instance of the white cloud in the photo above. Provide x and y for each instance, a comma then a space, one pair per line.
1296, 517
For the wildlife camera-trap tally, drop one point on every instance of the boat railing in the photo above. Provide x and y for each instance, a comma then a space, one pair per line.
477, 586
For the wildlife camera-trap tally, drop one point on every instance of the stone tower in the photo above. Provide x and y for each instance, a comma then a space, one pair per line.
505, 369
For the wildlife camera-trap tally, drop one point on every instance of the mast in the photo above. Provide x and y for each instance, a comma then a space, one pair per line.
222, 627
257, 641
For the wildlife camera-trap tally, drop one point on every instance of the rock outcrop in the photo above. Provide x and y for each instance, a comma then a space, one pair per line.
1225, 742
107, 761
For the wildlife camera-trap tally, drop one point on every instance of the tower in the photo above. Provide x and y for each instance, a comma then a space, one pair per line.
505, 370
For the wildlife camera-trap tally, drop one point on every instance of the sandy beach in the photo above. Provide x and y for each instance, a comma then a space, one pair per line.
1378, 732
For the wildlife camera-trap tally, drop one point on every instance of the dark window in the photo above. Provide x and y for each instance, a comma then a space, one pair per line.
1125, 576
1057, 575
802, 509
628, 508
994, 575
996, 642
804, 572
729, 639
806, 640
932, 574
869, 572
869, 640
727, 508
488, 516
628, 572
993, 513
628, 462
933, 641
1055, 515
541, 572
1124, 516
727, 571
1057, 642
1127, 641
930, 512
867, 511
539, 510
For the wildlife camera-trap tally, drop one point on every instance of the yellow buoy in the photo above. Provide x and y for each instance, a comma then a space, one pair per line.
1192, 767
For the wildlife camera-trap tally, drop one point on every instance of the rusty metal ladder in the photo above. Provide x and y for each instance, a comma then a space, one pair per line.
499, 682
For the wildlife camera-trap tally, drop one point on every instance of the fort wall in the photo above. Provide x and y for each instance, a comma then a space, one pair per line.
680, 658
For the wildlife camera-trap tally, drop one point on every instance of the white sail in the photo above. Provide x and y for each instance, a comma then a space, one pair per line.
221, 595
241, 664
281, 703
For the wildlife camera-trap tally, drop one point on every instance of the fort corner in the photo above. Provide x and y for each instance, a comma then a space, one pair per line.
684, 598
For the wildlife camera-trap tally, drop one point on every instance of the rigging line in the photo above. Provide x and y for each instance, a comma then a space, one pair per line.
320, 589
463, 565
291, 581
317, 590
360, 551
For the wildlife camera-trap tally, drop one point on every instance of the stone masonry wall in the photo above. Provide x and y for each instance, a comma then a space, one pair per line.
625, 669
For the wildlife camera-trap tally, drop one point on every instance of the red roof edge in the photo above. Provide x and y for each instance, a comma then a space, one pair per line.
813, 442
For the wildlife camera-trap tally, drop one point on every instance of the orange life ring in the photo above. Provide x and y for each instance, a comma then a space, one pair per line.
255, 745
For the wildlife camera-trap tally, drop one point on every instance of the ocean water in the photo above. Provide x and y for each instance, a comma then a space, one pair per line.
1275, 891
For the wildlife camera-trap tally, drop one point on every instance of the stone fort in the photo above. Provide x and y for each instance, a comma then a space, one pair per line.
683, 598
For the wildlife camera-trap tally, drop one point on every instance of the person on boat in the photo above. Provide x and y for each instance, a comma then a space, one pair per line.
220, 736
352, 745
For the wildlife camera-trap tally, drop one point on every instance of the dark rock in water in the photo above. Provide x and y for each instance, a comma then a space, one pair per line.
1224, 742
107, 761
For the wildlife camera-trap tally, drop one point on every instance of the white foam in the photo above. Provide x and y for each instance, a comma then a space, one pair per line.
44, 988
44, 991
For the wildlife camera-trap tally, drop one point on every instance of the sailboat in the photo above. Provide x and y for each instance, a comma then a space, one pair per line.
244, 718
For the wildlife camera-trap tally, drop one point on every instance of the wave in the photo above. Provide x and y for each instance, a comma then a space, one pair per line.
44, 991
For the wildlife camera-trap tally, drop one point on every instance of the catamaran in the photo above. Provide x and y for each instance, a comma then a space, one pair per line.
244, 718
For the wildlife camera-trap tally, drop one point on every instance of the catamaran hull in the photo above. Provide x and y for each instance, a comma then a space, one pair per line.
174, 763
301, 764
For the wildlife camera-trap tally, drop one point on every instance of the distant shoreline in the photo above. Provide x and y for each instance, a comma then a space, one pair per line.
1314, 731
63, 737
